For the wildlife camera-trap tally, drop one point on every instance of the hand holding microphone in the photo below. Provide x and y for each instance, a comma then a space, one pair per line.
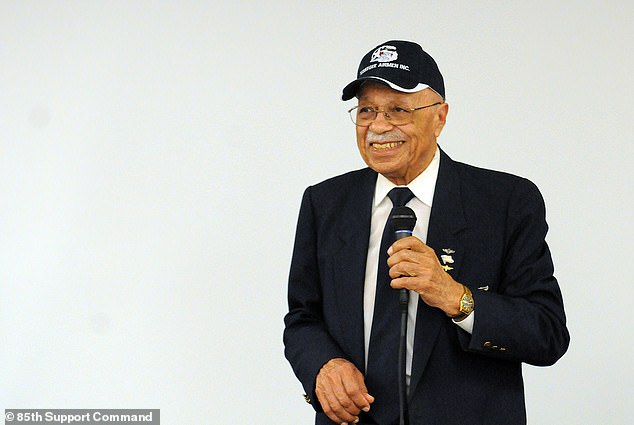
415, 266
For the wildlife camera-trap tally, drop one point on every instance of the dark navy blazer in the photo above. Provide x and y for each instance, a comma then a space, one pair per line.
495, 225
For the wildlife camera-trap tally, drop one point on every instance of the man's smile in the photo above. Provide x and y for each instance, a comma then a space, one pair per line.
385, 145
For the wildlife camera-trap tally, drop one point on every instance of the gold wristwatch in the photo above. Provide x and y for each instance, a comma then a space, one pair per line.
466, 304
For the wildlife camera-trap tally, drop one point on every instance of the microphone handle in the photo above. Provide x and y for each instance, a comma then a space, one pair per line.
402, 387
403, 298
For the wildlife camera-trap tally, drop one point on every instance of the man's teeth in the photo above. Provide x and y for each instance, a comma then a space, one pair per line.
388, 145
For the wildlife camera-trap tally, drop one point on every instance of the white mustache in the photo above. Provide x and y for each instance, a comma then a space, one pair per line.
390, 136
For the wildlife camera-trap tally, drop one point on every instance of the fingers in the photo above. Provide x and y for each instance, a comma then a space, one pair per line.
358, 393
409, 243
333, 408
341, 391
410, 257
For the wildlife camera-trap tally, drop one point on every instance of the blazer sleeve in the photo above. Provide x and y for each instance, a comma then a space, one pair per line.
308, 344
524, 319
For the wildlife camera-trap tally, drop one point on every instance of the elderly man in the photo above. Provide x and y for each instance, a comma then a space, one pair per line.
483, 298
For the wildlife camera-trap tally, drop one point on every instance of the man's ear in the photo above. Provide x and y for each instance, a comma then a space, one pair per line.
440, 118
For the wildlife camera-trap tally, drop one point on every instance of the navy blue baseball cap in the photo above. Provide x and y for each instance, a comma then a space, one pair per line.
402, 65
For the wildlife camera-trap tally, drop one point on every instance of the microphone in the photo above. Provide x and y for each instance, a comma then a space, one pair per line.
403, 222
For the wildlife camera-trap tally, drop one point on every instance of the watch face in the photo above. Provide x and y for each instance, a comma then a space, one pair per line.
466, 304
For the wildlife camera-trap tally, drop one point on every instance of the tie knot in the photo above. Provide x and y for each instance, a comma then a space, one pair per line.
400, 196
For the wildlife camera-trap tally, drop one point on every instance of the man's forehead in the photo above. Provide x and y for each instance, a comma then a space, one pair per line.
371, 88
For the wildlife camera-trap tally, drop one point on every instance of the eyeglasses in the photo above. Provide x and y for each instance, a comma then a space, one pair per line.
363, 116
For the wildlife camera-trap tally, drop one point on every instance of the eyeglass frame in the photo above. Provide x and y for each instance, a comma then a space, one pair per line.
386, 114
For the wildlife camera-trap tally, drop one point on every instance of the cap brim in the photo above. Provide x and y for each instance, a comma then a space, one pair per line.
351, 89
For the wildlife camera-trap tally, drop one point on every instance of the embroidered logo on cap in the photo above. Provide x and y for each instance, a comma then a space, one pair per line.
384, 54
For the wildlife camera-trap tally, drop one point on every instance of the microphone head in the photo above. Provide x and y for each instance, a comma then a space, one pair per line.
403, 219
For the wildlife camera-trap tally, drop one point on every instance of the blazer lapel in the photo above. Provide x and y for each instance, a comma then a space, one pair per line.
445, 223
354, 234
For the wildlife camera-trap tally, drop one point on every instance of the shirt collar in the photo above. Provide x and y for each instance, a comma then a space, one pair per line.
422, 186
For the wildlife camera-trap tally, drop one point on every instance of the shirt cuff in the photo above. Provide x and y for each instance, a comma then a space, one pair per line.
467, 323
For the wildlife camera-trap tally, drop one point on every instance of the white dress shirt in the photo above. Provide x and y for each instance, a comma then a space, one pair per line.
422, 187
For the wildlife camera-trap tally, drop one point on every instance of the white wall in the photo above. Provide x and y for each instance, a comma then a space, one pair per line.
153, 156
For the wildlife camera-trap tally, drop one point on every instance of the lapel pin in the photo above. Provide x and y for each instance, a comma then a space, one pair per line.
448, 251
446, 267
446, 259
484, 288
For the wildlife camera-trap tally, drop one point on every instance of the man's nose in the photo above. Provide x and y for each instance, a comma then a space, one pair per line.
381, 124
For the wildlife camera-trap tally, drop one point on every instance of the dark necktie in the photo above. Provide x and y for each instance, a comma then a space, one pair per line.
382, 372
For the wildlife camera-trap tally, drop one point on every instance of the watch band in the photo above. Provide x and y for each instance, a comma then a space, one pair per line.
466, 304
